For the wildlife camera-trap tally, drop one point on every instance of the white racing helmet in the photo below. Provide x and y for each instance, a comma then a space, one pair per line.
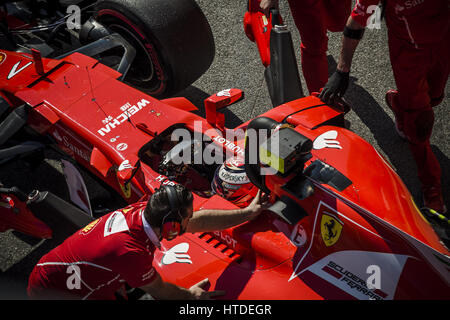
231, 182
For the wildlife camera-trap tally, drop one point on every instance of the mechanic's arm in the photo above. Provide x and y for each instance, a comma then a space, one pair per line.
210, 220
338, 82
163, 290
349, 46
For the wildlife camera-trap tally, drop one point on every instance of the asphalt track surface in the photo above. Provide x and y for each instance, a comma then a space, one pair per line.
237, 65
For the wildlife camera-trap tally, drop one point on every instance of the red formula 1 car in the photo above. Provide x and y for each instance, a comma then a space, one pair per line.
341, 225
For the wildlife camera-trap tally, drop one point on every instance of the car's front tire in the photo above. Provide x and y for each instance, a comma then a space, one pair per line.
173, 40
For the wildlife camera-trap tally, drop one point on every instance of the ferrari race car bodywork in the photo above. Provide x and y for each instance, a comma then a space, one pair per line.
354, 233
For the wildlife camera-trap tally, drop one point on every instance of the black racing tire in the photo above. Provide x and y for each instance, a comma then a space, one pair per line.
173, 40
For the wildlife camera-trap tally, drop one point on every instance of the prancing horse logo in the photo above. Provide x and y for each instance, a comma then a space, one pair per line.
331, 229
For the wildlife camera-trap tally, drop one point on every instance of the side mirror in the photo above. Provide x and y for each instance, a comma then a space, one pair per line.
218, 101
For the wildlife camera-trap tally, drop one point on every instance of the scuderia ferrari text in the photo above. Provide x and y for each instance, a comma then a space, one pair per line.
226, 309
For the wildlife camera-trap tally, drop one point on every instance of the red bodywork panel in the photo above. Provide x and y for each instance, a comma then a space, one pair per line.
373, 224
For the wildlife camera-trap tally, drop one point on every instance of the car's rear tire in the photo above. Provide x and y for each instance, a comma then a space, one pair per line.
173, 40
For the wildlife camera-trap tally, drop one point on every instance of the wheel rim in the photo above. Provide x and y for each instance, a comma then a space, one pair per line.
153, 81
142, 68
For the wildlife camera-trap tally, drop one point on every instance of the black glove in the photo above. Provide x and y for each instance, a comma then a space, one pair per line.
335, 87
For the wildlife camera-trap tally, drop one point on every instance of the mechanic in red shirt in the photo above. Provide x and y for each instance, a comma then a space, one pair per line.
419, 47
313, 19
118, 248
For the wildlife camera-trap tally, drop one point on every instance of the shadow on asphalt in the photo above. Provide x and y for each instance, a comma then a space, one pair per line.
382, 126
445, 168
14, 280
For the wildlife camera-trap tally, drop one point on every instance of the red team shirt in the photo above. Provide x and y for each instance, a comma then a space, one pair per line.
110, 251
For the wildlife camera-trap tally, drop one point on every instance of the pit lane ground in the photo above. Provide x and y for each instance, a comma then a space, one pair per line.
237, 65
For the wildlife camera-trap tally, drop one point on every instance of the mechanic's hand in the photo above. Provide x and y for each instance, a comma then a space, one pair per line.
266, 5
199, 293
335, 87
257, 205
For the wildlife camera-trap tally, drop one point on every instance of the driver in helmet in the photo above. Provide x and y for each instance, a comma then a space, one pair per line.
231, 182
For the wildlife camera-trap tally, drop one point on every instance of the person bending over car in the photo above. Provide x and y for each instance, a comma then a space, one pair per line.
119, 247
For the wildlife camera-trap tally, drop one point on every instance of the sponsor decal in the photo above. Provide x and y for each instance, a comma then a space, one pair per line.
227, 238
148, 275
15, 70
413, 3
89, 227
298, 236
177, 254
164, 180
366, 275
75, 150
2, 57
71, 145
115, 223
224, 93
232, 177
125, 165
128, 111
125, 210
121, 147
107, 119
353, 281
229, 145
330, 228
327, 140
